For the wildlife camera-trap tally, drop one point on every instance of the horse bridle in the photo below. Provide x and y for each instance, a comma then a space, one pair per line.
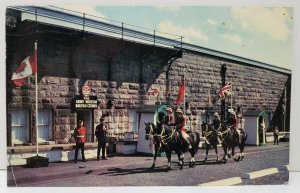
164, 138
207, 133
222, 133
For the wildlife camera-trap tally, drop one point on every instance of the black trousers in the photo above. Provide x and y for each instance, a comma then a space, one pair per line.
79, 146
275, 140
101, 145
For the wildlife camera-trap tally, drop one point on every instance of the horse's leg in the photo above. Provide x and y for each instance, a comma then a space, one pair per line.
242, 150
192, 162
235, 157
168, 154
229, 152
207, 147
181, 159
225, 153
216, 150
155, 155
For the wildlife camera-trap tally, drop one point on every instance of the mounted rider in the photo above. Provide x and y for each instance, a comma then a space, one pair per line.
170, 116
216, 125
179, 126
232, 123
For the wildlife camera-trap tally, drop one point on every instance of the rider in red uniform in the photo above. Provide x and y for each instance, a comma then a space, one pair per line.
170, 116
179, 126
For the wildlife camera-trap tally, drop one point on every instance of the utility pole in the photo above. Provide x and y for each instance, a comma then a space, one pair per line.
223, 76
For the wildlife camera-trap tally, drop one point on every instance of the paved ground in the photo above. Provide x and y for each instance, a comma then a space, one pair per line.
134, 170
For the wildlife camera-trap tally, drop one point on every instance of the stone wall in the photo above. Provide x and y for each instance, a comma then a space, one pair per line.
124, 72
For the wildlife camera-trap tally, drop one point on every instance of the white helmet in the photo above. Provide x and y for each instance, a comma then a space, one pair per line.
169, 109
178, 111
216, 114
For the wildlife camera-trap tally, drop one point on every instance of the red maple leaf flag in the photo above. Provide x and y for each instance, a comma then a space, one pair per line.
27, 67
153, 91
181, 92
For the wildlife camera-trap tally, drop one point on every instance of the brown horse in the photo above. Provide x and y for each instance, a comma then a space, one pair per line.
211, 139
168, 140
231, 139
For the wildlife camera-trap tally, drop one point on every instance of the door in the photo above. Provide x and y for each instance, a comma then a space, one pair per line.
143, 144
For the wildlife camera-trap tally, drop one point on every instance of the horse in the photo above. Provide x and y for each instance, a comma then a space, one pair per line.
167, 140
230, 140
211, 139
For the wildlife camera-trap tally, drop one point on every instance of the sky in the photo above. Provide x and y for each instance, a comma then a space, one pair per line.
264, 34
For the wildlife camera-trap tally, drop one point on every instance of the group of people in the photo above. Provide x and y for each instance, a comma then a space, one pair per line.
231, 122
178, 123
80, 139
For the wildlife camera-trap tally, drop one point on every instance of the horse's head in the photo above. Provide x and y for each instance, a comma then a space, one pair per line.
148, 130
204, 127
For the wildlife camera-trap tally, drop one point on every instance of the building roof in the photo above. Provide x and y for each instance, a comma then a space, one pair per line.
79, 21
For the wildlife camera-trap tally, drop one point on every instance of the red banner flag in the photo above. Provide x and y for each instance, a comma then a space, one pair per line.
181, 92
27, 67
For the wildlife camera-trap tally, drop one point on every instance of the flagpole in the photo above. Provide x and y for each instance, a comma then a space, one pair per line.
231, 93
184, 111
36, 101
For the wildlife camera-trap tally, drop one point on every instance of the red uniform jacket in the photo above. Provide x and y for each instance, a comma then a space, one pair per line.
179, 124
79, 134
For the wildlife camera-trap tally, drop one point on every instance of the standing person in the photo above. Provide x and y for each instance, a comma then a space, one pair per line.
276, 134
101, 137
79, 135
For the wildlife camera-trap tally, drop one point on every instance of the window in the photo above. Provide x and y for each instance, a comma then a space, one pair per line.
44, 125
20, 126
132, 120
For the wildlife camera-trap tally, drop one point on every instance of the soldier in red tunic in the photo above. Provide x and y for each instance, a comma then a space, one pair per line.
79, 135
179, 126
170, 116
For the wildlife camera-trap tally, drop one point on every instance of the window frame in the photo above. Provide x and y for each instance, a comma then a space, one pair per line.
17, 141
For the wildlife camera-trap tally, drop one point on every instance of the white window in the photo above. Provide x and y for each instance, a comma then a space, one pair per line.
44, 125
132, 120
20, 126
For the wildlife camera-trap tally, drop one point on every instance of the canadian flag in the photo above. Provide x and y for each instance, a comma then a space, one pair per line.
27, 67
153, 91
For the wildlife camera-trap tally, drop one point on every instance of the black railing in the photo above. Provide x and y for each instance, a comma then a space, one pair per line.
122, 30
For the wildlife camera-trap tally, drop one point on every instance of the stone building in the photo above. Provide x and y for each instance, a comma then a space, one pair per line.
121, 68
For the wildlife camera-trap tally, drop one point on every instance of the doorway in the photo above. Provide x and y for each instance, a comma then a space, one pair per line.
143, 144
87, 117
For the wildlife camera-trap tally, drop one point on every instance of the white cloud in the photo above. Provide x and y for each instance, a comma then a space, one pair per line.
272, 21
169, 27
168, 8
232, 37
211, 21
87, 9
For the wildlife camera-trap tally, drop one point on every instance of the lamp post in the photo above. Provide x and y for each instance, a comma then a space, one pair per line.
223, 76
